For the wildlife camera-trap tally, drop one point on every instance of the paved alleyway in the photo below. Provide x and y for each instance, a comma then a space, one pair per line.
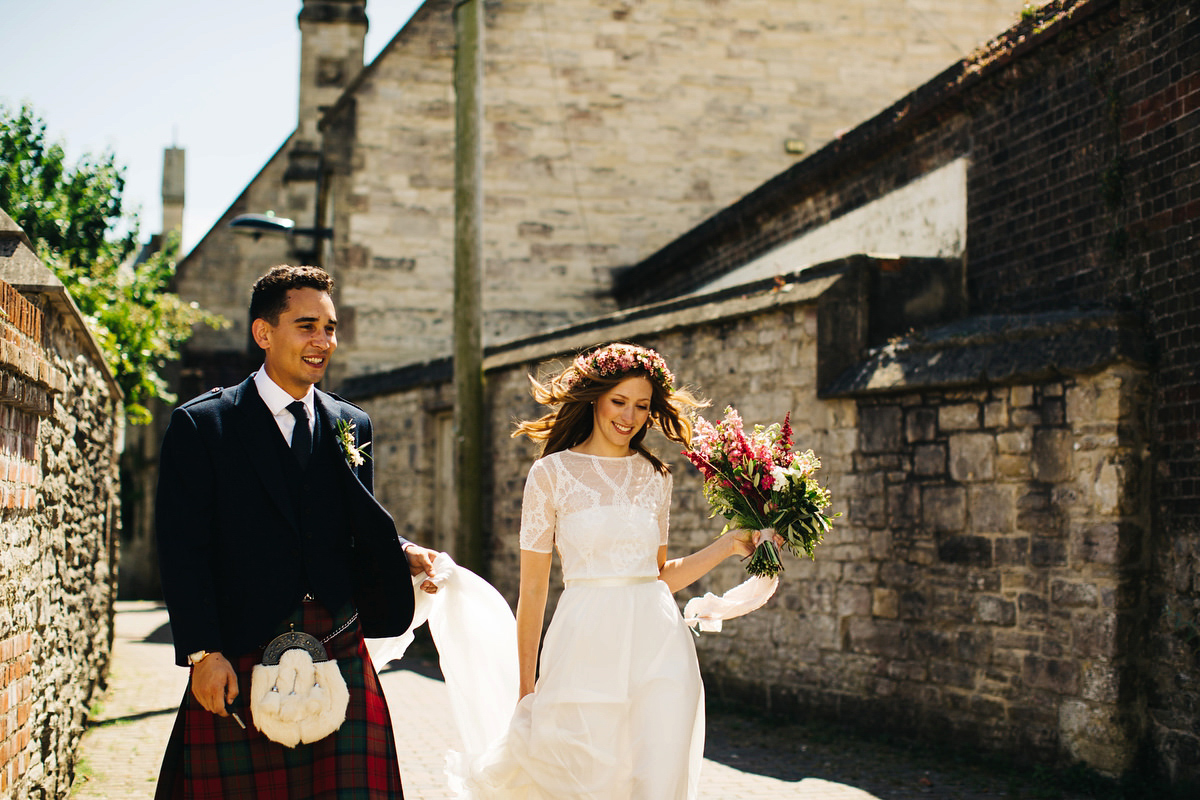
745, 760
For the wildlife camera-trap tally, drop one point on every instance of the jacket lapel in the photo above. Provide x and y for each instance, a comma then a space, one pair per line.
259, 434
328, 417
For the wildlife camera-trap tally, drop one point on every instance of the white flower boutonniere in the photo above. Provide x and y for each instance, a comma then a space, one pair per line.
356, 454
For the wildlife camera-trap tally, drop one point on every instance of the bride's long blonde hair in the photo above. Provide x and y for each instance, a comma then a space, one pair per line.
573, 391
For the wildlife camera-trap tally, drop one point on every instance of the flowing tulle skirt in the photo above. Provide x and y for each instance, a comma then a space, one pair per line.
618, 710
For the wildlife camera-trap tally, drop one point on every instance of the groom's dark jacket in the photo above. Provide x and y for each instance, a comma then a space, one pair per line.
244, 533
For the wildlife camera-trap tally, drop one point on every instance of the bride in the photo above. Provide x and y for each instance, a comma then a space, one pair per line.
617, 710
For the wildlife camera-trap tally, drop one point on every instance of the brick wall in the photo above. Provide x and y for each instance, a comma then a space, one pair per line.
60, 426
16, 695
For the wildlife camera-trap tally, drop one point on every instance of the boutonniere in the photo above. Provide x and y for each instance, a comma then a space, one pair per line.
356, 454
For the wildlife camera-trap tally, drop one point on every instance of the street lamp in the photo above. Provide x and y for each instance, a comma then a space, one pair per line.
256, 225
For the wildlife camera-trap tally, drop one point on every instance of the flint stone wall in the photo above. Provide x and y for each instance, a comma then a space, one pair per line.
977, 588
61, 423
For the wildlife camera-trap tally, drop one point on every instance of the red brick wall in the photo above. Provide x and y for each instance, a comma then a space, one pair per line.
20, 336
59, 428
16, 691
18, 467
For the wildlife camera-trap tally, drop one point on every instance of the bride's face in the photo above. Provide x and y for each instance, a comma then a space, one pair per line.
619, 414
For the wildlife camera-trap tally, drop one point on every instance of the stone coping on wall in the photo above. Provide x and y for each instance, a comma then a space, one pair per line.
862, 300
860, 349
21, 269
628, 325
1003, 349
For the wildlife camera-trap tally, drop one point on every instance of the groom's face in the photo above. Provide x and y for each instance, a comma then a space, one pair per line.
299, 347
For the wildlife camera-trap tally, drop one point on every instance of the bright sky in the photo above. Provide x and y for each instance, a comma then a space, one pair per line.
215, 77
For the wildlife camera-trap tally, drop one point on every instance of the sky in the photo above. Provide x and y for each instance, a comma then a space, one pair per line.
215, 77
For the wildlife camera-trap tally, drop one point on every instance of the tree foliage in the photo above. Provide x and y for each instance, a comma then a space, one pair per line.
75, 216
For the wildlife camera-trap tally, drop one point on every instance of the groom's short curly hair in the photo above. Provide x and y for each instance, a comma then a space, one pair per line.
268, 298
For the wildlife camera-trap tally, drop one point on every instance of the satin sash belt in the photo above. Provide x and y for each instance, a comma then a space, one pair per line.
618, 581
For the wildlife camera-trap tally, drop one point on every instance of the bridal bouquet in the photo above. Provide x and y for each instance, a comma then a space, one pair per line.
756, 481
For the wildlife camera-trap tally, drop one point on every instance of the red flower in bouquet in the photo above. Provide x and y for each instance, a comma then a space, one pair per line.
757, 481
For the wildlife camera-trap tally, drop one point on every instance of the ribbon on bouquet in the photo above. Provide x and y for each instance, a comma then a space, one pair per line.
476, 638
706, 613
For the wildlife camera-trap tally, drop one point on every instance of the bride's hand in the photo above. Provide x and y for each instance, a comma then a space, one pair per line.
744, 541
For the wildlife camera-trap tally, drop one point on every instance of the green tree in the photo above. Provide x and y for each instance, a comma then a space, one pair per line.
75, 217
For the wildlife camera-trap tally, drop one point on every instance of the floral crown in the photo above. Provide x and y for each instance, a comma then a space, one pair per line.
617, 359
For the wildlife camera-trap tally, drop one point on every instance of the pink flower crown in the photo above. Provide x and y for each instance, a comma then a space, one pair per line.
617, 359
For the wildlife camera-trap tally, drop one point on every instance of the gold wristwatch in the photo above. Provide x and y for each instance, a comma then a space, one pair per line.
198, 656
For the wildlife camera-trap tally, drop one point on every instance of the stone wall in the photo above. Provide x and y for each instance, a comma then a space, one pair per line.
982, 585
61, 422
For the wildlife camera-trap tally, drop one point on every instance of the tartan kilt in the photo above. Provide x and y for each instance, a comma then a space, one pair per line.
211, 758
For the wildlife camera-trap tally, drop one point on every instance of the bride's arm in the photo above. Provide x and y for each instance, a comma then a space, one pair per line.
531, 611
681, 572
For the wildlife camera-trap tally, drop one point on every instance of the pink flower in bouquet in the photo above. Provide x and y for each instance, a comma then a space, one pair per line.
757, 481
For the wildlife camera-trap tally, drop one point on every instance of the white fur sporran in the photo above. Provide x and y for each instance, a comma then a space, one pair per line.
294, 698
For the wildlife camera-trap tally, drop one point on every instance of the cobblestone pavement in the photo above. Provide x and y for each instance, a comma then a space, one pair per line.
746, 759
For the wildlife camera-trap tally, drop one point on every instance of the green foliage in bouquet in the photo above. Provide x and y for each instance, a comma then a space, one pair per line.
757, 482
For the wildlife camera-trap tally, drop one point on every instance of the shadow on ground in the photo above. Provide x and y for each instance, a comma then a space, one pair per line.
791, 751
101, 723
160, 635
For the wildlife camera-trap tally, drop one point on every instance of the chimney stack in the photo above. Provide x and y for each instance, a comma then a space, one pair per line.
332, 36
172, 190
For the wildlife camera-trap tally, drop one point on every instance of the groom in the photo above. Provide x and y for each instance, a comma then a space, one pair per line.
266, 523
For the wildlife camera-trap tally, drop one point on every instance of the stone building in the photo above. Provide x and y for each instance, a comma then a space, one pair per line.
61, 424
610, 128
1005, 411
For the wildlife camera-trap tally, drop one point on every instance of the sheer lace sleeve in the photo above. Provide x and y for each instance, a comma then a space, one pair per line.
664, 510
538, 516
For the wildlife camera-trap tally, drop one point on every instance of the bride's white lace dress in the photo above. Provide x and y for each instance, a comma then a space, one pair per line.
618, 709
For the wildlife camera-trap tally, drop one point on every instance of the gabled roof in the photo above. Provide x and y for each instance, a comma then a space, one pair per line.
348, 92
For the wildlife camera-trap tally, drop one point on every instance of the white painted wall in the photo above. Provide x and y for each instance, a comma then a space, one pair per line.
927, 217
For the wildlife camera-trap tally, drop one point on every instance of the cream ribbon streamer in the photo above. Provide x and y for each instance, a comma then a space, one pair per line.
705, 613
476, 637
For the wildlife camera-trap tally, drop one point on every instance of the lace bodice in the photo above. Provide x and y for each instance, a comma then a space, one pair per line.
608, 516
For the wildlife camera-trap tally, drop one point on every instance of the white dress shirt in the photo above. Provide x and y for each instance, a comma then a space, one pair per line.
278, 400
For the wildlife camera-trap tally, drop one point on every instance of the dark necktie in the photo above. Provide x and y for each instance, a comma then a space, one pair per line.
301, 435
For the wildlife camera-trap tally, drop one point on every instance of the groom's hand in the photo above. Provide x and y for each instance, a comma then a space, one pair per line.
214, 684
420, 559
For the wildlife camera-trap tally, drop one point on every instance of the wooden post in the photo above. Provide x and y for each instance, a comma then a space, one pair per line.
468, 249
